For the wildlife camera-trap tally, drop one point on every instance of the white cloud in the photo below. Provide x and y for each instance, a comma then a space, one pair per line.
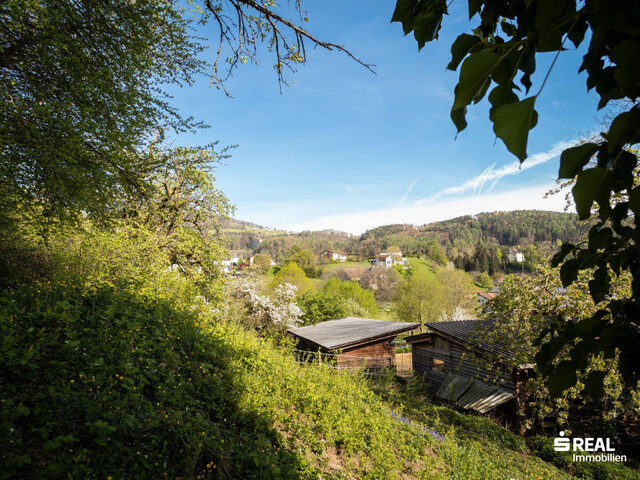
404, 196
436, 209
476, 184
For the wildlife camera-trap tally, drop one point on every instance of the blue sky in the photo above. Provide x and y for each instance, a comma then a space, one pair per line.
346, 149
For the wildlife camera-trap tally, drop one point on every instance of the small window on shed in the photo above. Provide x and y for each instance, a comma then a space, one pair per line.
437, 365
441, 344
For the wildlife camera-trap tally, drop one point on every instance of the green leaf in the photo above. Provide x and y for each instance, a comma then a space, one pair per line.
576, 34
512, 122
562, 378
473, 76
569, 271
573, 159
586, 189
587, 327
404, 12
599, 285
460, 48
474, 7
624, 130
593, 384
622, 173
500, 95
624, 56
565, 250
599, 237
425, 27
634, 200
508, 28
458, 118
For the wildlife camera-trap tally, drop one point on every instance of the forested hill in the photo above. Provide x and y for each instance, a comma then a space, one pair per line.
520, 227
523, 229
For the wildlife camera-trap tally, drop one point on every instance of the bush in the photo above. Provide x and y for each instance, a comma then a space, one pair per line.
294, 275
484, 280
337, 299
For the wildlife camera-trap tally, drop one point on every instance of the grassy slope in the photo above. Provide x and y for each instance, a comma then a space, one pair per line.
111, 382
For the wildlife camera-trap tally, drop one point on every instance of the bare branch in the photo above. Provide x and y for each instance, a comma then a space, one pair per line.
242, 34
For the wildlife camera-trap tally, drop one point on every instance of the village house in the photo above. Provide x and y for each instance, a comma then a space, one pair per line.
335, 255
517, 257
352, 342
483, 297
463, 367
388, 259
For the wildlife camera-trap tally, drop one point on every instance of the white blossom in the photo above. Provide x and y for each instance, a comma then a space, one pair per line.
277, 309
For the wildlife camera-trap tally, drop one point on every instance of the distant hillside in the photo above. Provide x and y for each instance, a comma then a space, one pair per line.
520, 227
490, 235
234, 223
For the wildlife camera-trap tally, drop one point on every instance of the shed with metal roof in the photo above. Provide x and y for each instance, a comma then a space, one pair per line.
352, 342
468, 368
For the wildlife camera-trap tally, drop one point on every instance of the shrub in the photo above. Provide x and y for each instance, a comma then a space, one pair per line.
337, 299
294, 275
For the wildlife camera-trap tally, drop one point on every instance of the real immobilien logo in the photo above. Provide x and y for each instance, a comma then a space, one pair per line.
594, 449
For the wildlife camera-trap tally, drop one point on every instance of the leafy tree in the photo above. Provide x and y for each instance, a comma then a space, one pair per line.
79, 99
433, 251
524, 308
181, 206
430, 298
262, 261
484, 280
419, 299
457, 291
303, 257
275, 310
293, 275
361, 302
505, 45
382, 281
337, 299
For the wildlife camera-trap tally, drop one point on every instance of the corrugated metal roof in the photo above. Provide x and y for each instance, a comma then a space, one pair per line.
472, 394
453, 387
344, 332
483, 397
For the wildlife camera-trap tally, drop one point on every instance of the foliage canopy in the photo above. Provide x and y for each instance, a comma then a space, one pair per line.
80, 99
504, 46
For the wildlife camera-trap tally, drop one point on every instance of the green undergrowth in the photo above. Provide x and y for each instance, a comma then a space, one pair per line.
482, 440
110, 382
543, 447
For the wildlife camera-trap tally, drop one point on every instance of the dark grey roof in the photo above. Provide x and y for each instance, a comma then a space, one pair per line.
472, 332
472, 394
349, 331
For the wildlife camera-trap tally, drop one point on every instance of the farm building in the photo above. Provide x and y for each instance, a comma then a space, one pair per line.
464, 368
335, 256
484, 297
353, 342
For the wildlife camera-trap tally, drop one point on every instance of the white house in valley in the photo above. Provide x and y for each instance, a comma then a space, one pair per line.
335, 255
389, 259
516, 257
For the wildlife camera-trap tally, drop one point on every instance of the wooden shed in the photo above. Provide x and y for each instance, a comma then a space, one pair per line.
463, 368
352, 342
